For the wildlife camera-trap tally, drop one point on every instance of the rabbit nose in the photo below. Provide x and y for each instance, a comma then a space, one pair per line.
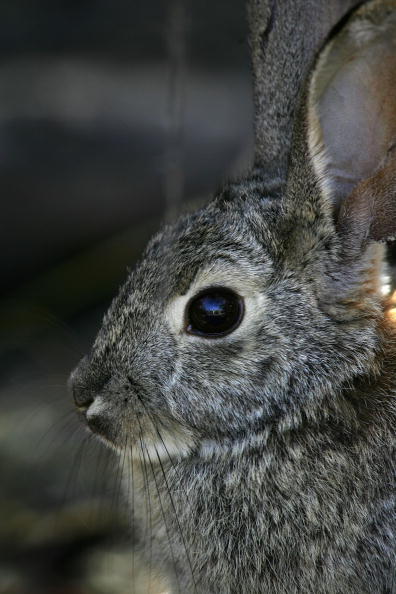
85, 382
82, 396
80, 386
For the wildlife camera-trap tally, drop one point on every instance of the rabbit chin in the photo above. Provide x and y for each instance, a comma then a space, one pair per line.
148, 449
171, 446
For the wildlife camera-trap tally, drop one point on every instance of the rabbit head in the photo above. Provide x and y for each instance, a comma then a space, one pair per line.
259, 308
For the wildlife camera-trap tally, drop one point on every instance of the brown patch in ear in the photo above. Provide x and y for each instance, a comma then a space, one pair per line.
383, 187
369, 212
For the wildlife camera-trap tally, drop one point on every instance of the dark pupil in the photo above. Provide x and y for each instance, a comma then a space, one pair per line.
214, 312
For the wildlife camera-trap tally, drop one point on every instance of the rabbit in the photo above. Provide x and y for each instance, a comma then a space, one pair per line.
246, 371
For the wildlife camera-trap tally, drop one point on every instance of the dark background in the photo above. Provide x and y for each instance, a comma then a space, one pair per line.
114, 116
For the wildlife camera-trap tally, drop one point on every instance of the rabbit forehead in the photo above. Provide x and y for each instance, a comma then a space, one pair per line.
236, 269
215, 241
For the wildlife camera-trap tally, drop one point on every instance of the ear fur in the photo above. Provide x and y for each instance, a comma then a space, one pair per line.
352, 125
285, 36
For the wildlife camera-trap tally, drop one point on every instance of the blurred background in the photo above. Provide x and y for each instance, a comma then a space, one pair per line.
114, 116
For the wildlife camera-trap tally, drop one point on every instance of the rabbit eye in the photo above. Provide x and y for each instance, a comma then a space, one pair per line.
214, 312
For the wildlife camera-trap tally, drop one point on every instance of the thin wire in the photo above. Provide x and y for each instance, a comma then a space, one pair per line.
177, 51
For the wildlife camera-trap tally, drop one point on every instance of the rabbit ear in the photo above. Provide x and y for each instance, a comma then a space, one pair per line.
353, 124
285, 36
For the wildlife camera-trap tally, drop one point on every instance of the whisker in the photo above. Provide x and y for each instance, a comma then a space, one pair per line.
71, 478
169, 456
118, 478
105, 486
174, 467
149, 525
177, 519
44, 403
68, 414
163, 516
54, 444
95, 484
131, 498
172, 462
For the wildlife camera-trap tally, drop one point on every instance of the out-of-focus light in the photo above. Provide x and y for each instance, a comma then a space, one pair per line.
385, 284
391, 307
392, 314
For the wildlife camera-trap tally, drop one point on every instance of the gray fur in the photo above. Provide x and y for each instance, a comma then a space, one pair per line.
280, 476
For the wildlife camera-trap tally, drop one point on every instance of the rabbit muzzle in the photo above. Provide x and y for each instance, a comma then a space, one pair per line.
118, 411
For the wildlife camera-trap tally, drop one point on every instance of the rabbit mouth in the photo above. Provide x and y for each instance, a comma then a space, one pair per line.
140, 433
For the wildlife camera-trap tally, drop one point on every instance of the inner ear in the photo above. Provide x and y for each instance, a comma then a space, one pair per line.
353, 96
